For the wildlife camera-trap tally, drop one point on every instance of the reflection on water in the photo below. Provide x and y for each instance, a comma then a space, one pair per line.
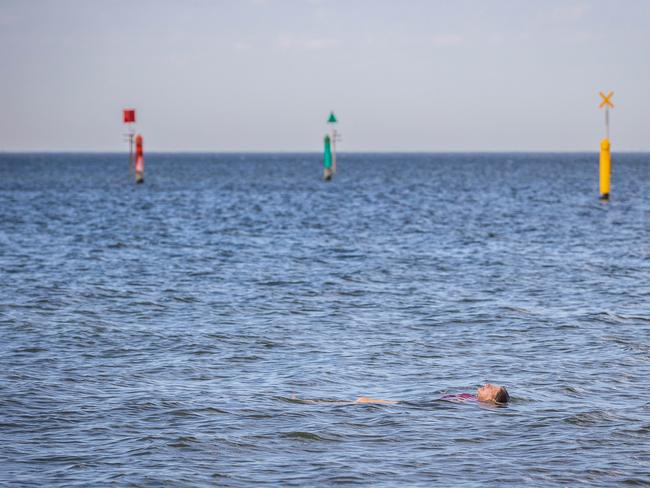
156, 334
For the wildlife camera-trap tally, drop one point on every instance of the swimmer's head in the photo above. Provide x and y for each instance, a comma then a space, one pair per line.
492, 393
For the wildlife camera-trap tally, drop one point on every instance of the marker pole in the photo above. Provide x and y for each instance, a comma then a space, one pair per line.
131, 159
327, 159
139, 160
128, 117
332, 121
334, 150
605, 166
605, 169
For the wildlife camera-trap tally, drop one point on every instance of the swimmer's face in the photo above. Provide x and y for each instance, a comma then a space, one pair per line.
492, 393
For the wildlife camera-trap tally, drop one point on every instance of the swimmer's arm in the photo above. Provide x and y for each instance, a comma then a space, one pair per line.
375, 400
347, 402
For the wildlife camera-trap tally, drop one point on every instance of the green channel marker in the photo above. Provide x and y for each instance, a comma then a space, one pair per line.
327, 160
327, 157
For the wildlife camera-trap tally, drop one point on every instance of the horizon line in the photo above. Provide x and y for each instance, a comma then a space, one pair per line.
452, 151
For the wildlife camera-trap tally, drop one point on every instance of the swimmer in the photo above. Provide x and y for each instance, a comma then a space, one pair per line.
488, 393
492, 393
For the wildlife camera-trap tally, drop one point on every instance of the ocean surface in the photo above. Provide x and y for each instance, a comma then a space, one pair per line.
172, 333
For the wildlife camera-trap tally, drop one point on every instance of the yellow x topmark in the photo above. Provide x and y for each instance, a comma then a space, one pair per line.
607, 99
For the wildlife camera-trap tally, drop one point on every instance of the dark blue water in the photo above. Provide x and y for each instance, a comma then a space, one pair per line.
157, 334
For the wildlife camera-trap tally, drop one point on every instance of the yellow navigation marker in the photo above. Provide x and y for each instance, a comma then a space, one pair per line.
607, 99
605, 169
605, 149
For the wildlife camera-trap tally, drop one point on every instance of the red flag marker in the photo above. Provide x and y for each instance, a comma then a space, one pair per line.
129, 115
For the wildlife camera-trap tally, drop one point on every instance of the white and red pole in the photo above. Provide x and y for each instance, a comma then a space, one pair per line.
139, 159
128, 117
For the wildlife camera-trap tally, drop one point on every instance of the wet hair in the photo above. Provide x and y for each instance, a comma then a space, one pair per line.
502, 395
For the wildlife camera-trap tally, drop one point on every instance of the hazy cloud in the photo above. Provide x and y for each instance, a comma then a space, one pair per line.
568, 13
307, 44
447, 40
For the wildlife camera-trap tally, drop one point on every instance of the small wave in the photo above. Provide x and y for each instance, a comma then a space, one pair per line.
31, 349
591, 418
306, 436
185, 299
574, 390
617, 318
183, 441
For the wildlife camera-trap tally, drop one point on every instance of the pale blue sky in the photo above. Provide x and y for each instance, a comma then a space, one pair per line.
256, 75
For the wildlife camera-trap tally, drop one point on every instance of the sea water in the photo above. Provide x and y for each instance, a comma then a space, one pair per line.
168, 333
